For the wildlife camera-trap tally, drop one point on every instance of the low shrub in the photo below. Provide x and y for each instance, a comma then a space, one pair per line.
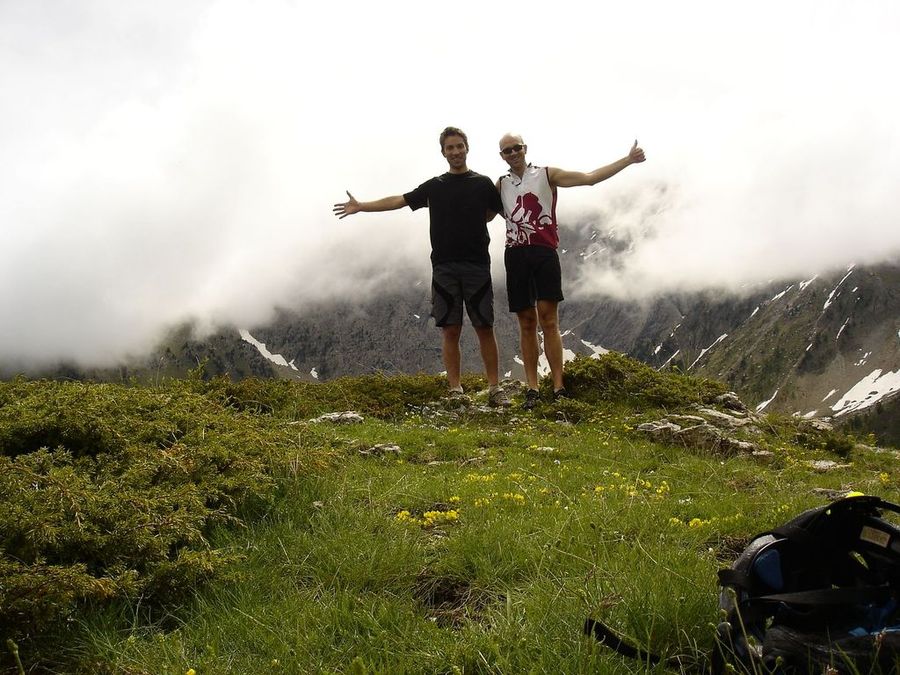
110, 492
616, 377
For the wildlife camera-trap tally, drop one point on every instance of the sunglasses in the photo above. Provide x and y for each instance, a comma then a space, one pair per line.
513, 148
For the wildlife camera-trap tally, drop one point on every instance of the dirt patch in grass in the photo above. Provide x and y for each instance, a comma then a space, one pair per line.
727, 549
451, 601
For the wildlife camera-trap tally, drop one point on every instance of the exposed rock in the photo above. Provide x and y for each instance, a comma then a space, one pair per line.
687, 420
702, 436
818, 424
862, 447
721, 419
731, 401
513, 387
382, 449
662, 431
830, 494
347, 417
740, 447
764, 456
824, 465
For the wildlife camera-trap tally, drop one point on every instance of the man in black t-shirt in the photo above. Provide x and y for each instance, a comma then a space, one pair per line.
460, 202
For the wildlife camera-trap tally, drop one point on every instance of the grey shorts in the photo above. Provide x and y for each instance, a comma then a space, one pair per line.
456, 283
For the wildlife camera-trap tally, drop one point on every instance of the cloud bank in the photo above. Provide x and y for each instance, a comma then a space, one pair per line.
180, 164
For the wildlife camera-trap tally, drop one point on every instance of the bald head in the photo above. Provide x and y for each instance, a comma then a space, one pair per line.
510, 139
512, 150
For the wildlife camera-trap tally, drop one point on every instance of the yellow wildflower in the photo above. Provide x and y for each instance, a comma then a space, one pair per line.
433, 518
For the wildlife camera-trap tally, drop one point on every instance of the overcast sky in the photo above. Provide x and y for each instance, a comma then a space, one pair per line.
179, 160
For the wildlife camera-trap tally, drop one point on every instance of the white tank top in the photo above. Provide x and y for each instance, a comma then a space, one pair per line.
529, 206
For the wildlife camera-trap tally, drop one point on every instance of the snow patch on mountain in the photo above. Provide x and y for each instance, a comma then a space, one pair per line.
703, 351
544, 365
835, 289
782, 294
762, 406
277, 359
868, 391
804, 284
596, 350
841, 329
669, 360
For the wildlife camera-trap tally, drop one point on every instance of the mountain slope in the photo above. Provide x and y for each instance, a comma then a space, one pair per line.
821, 346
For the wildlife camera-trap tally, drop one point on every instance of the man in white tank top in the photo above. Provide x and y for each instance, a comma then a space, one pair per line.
533, 276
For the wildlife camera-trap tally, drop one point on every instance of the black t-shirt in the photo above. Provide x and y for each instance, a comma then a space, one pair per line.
457, 203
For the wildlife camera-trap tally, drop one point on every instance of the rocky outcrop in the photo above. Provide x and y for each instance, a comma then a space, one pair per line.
709, 430
347, 417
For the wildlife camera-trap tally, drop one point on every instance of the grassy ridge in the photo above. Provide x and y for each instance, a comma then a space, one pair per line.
480, 546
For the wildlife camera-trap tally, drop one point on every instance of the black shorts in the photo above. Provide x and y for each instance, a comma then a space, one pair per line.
456, 283
532, 273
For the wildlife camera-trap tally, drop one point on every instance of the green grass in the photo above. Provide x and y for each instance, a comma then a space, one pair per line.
340, 569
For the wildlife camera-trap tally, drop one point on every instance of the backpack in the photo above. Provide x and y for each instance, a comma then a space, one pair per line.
818, 594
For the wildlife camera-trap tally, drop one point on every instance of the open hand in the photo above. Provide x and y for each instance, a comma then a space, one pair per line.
347, 208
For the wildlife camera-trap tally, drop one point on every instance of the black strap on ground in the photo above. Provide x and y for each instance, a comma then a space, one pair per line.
605, 636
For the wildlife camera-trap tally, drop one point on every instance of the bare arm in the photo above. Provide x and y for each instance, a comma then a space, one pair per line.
561, 178
348, 208
490, 214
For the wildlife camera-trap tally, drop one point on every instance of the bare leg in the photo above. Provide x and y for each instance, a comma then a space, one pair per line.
548, 316
528, 340
489, 353
450, 352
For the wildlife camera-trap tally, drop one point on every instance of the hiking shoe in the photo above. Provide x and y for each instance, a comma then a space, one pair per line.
560, 393
532, 398
498, 399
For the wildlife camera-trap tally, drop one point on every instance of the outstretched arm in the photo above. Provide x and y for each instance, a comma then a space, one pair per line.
560, 178
348, 208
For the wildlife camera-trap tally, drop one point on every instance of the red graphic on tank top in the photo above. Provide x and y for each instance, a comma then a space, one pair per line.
529, 218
